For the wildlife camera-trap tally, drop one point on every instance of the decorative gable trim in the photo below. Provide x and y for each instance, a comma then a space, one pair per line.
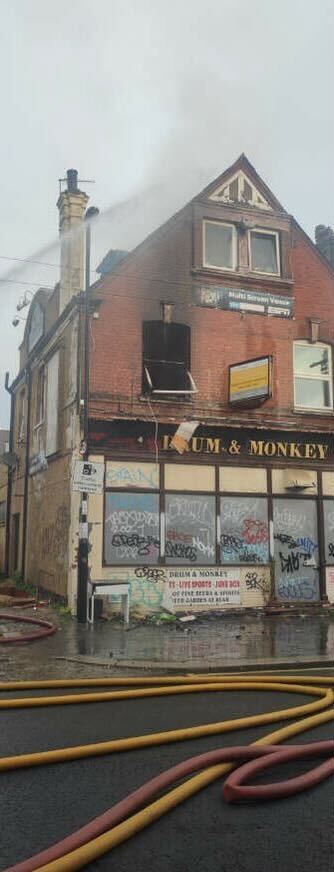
238, 188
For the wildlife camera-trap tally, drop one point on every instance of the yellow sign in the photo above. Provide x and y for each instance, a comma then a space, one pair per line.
250, 381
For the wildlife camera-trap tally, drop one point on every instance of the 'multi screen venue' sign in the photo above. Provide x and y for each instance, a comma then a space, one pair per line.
239, 300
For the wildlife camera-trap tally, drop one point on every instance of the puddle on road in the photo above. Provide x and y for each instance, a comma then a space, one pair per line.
228, 640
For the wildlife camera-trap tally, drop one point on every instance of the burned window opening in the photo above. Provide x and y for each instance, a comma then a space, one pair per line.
166, 359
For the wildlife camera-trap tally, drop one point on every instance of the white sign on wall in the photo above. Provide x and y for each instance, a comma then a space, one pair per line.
201, 588
88, 477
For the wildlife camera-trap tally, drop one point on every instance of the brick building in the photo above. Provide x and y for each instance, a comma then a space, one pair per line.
46, 423
222, 320
210, 406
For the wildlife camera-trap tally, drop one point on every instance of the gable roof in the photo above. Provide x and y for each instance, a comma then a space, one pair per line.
242, 164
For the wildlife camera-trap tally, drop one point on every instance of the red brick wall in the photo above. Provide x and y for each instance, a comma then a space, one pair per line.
161, 270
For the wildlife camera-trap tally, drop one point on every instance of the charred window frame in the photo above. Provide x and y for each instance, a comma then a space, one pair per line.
166, 359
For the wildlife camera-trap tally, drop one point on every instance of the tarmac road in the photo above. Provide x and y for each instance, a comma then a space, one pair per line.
42, 805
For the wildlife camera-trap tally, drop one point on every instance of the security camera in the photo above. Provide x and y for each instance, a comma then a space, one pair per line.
15, 322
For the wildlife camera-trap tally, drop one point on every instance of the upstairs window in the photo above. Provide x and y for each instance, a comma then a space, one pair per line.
219, 245
264, 252
52, 404
40, 396
166, 359
21, 425
313, 376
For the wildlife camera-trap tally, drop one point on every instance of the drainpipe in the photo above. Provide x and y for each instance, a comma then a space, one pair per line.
9, 473
26, 479
91, 213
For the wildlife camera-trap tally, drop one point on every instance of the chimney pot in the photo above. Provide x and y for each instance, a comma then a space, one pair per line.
324, 238
72, 181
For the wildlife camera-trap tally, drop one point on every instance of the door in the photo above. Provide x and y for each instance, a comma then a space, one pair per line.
296, 550
14, 562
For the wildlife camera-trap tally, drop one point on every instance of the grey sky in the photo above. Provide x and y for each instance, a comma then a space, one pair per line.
152, 99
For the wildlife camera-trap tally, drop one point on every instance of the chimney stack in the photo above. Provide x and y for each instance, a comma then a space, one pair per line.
72, 205
324, 240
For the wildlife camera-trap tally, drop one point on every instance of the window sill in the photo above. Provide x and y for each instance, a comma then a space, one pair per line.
244, 274
322, 413
220, 269
53, 456
173, 398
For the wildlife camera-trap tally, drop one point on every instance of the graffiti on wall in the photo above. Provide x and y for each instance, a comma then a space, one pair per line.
258, 582
145, 475
296, 550
131, 528
244, 525
54, 537
190, 529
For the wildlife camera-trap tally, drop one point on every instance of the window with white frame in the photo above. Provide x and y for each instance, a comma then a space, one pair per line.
219, 245
313, 385
40, 396
21, 424
264, 251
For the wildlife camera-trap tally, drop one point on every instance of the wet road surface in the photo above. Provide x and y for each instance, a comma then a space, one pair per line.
222, 640
42, 805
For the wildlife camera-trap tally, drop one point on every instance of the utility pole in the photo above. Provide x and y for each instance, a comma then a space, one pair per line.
91, 213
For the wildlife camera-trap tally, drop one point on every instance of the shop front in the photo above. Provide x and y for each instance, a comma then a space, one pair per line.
241, 518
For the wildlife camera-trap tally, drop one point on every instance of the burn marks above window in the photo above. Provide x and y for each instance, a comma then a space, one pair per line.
166, 359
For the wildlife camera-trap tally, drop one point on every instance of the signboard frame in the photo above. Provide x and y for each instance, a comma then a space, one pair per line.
255, 302
249, 395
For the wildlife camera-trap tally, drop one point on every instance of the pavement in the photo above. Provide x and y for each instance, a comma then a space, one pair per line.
42, 805
226, 643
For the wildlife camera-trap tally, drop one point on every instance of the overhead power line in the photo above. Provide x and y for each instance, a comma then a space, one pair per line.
27, 260
33, 284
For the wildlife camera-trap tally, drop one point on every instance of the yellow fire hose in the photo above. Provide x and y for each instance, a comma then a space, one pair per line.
308, 716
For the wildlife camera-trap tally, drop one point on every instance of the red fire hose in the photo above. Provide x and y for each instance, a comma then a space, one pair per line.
47, 629
260, 757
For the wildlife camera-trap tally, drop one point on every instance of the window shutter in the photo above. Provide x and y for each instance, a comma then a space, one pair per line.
52, 405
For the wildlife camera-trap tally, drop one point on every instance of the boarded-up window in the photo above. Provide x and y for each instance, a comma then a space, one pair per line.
52, 404
244, 530
296, 549
190, 529
329, 531
131, 531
